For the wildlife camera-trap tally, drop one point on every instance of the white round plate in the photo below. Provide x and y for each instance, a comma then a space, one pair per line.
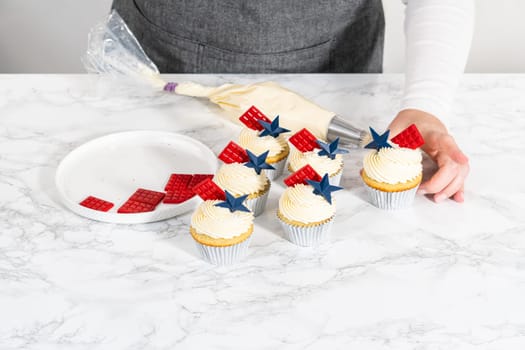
112, 167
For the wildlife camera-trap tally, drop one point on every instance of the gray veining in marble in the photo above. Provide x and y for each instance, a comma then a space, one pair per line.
447, 276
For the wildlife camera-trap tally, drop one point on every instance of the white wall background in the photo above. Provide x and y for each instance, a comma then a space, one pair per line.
46, 36
498, 45
49, 36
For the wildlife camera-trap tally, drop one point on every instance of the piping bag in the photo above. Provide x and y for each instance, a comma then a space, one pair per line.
113, 49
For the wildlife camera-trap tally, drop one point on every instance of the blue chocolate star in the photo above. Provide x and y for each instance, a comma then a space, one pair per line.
330, 149
258, 162
233, 203
273, 129
323, 188
380, 141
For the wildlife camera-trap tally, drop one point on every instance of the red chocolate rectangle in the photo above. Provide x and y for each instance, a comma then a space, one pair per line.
178, 181
95, 203
147, 196
198, 178
133, 207
233, 153
301, 175
209, 190
304, 140
409, 138
251, 118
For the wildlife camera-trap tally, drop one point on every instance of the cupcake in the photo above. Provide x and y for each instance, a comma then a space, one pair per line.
306, 209
392, 171
323, 157
222, 229
246, 178
260, 135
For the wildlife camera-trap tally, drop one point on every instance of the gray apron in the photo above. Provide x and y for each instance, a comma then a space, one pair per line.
266, 36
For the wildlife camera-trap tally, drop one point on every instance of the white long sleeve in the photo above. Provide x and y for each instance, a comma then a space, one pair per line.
438, 37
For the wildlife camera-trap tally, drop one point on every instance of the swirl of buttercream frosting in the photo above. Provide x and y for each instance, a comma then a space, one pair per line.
321, 164
299, 203
219, 222
393, 165
239, 179
250, 140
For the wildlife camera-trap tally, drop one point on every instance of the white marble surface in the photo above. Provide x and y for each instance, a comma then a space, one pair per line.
447, 276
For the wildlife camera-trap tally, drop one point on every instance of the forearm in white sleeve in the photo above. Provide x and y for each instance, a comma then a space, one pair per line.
438, 36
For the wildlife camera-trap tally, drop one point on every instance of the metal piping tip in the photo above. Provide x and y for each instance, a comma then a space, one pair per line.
348, 134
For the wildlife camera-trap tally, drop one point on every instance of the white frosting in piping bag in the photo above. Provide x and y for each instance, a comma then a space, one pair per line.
295, 112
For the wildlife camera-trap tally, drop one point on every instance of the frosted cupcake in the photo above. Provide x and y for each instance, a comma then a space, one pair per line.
323, 157
260, 135
306, 211
222, 229
392, 172
247, 178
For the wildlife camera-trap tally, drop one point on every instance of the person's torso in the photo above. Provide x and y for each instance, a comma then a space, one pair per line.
258, 36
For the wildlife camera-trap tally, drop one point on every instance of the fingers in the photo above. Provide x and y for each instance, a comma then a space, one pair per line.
456, 188
447, 182
445, 175
451, 190
459, 196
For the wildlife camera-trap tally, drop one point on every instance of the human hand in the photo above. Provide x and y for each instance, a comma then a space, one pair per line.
449, 179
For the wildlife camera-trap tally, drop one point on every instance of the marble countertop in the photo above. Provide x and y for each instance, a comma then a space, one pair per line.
436, 276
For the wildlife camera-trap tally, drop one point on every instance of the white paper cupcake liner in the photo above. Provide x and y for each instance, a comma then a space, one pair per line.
335, 180
257, 205
391, 200
307, 236
224, 255
278, 171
